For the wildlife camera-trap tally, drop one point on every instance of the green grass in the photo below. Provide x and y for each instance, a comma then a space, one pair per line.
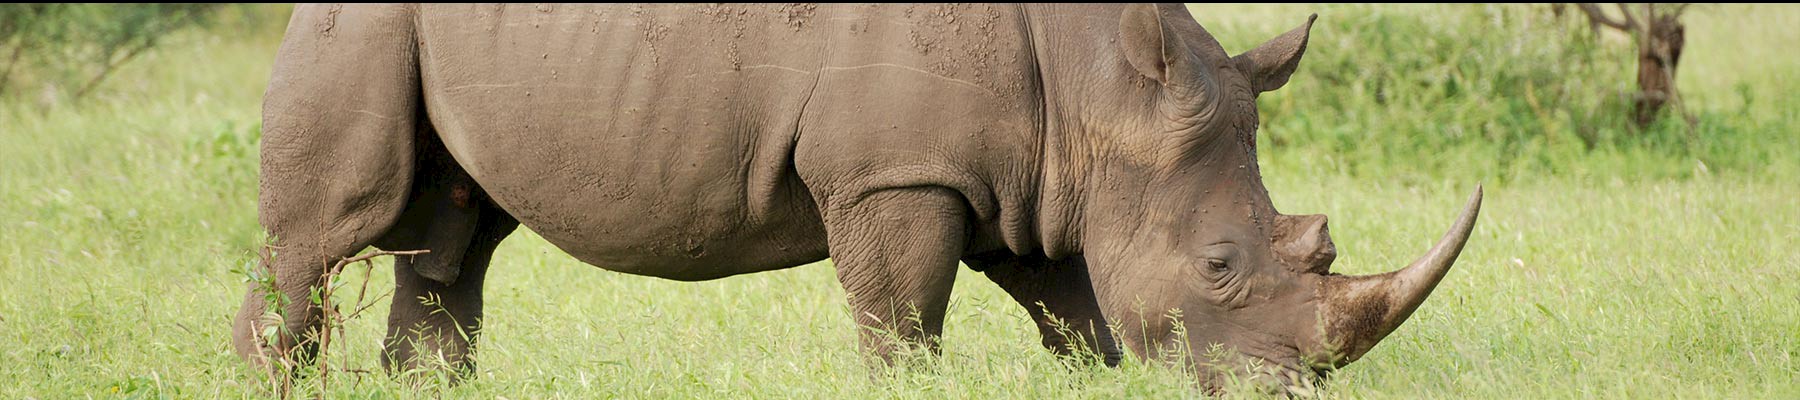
1626, 270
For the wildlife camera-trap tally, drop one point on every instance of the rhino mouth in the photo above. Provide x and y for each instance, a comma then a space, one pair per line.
1353, 314
1277, 378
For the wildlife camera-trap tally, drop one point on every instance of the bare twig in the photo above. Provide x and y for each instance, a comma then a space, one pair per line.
1595, 16
379, 253
109, 67
365, 306
335, 320
1630, 20
277, 367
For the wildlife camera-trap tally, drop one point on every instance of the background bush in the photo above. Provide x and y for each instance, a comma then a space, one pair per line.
71, 48
1504, 92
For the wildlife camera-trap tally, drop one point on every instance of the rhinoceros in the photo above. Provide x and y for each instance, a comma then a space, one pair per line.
1097, 162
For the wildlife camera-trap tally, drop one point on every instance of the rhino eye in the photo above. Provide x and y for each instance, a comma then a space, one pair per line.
1217, 265
1213, 257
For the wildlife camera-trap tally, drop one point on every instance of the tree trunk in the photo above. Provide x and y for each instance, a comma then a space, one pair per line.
1659, 51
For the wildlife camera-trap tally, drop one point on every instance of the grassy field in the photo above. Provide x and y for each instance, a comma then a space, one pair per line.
1652, 265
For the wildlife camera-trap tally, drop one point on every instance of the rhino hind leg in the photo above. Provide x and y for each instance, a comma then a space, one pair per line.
436, 312
1058, 296
433, 325
896, 252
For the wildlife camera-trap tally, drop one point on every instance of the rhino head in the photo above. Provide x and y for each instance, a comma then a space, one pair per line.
1175, 218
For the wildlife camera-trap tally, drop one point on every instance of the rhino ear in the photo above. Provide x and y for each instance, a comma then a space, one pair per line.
1270, 64
1148, 43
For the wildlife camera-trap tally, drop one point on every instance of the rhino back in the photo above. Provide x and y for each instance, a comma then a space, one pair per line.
660, 139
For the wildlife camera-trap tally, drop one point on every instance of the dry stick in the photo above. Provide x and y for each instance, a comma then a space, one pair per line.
278, 381
330, 315
326, 317
1596, 16
339, 319
1629, 19
263, 354
365, 306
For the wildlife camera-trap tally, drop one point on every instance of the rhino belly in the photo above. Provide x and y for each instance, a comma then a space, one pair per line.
669, 213
652, 140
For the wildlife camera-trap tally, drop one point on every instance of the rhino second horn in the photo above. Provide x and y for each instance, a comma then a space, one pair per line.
1358, 311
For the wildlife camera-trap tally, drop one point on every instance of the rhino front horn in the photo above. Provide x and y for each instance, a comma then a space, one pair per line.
1357, 311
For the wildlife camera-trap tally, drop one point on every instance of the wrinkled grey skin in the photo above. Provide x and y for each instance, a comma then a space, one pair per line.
1096, 159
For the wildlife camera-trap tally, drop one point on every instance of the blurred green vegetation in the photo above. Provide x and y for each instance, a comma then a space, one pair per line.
65, 50
1508, 92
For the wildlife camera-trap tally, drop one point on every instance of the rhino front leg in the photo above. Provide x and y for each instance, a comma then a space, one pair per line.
337, 159
896, 252
1060, 287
